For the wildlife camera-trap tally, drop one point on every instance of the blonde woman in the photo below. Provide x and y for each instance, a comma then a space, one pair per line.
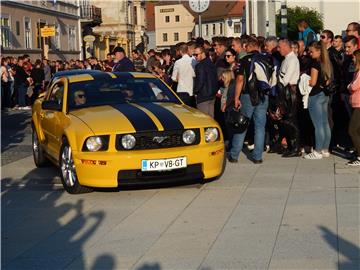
321, 74
354, 127
227, 77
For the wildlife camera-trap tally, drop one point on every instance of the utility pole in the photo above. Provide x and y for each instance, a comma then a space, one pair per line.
283, 19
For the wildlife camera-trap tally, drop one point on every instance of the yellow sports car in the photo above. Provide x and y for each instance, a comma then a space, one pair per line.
107, 129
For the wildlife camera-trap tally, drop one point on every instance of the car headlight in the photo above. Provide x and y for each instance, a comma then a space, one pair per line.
189, 136
128, 141
94, 143
211, 134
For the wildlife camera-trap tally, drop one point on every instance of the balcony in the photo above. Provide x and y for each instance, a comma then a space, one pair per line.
90, 13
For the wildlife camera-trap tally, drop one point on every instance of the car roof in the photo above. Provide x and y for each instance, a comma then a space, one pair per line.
89, 76
75, 71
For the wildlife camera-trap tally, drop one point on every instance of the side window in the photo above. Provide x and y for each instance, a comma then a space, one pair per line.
157, 92
57, 93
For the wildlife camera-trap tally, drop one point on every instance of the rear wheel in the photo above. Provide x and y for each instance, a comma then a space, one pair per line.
68, 171
38, 152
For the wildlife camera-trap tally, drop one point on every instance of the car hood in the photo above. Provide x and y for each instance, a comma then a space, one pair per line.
142, 117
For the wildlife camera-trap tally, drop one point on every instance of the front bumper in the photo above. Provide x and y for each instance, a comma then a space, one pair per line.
110, 169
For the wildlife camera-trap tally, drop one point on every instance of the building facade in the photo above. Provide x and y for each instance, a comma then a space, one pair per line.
173, 24
221, 19
123, 24
260, 17
21, 22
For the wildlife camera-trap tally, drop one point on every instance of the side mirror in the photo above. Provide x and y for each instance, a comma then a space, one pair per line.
51, 105
185, 97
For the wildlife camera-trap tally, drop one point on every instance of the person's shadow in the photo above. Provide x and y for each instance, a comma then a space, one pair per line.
344, 247
41, 230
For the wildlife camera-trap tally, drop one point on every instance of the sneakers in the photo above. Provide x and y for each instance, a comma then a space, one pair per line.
325, 153
314, 155
354, 163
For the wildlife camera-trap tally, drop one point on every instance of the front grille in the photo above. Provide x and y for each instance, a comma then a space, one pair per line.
145, 140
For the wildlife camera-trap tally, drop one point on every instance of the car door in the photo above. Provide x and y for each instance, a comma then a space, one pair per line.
50, 119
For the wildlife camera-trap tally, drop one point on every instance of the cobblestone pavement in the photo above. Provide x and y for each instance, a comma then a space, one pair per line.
15, 136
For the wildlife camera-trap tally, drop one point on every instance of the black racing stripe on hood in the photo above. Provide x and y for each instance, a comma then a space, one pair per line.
138, 118
168, 119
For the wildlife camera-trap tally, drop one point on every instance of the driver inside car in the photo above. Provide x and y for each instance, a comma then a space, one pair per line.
79, 98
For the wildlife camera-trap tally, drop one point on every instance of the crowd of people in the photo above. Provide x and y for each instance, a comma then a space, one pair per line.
299, 97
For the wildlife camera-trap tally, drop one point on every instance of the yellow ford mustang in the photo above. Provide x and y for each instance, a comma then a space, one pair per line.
107, 129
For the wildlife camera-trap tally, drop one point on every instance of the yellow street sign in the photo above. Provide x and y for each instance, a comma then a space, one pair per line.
47, 31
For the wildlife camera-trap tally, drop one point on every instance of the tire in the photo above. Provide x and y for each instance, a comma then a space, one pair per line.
38, 152
68, 171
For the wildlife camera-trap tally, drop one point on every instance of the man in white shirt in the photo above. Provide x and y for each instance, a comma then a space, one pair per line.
289, 76
183, 72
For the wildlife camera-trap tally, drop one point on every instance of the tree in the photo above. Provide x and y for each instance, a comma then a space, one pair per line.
313, 17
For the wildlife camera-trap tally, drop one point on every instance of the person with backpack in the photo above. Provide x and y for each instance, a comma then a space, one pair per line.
251, 103
288, 79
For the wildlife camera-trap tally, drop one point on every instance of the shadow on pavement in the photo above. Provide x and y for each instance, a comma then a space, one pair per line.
13, 128
350, 251
150, 266
43, 229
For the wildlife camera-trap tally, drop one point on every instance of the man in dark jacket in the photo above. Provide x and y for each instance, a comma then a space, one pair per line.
121, 62
206, 82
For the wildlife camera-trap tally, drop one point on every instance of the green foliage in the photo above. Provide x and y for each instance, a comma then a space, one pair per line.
313, 17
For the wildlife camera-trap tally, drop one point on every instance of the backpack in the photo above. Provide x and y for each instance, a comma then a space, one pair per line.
262, 78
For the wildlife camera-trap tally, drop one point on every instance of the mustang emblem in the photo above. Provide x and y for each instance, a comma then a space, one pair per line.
160, 139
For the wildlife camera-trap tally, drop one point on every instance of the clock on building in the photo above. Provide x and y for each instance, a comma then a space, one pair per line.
199, 5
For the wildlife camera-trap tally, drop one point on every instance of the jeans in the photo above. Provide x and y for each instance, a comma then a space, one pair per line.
318, 109
354, 129
259, 114
22, 89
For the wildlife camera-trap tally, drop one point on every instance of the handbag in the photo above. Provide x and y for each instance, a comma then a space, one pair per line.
331, 88
236, 120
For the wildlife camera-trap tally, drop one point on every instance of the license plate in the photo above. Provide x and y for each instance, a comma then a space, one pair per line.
163, 164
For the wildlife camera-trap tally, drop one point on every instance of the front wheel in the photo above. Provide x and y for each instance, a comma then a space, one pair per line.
38, 152
68, 171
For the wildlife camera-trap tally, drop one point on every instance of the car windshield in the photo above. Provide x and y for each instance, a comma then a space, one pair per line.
121, 90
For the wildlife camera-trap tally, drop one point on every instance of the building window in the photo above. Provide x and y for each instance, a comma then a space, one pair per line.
40, 25
237, 27
165, 37
135, 15
57, 37
167, 18
72, 38
27, 30
221, 28
214, 29
176, 36
189, 35
5, 32
17, 28
177, 18
207, 30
